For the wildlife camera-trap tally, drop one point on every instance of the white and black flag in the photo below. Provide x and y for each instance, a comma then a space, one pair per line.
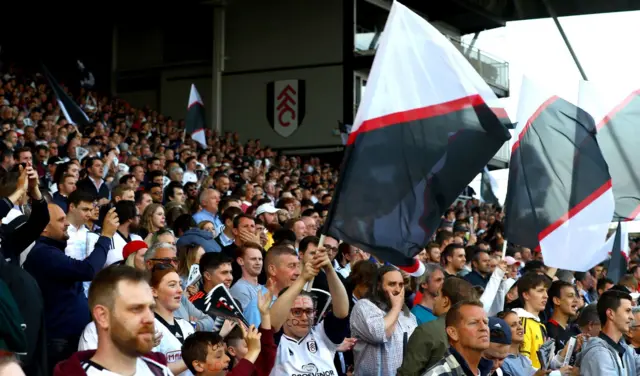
72, 112
488, 188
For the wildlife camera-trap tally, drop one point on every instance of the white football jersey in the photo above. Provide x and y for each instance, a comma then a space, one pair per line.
142, 369
169, 345
311, 355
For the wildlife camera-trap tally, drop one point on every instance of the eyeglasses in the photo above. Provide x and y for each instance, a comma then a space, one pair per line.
297, 312
166, 260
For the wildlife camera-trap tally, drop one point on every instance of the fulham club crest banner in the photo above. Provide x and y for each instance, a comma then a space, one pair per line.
285, 105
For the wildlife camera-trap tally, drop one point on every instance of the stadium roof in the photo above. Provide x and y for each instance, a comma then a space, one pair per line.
470, 16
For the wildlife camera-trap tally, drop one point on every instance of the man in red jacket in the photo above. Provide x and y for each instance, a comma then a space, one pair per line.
121, 301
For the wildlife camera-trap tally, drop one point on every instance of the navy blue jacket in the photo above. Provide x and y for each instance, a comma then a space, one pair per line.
61, 201
60, 279
476, 279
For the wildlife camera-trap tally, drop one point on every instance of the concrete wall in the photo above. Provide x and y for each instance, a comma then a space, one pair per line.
139, 47
245, 106
282, 33
281, 40
175, 87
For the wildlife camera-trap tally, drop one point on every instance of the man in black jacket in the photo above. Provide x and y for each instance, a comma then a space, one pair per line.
94, 182
25, 290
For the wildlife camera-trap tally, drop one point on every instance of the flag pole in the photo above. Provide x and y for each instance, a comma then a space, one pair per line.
504, 249
309, 285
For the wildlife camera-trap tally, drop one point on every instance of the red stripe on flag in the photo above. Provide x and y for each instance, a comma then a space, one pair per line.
195, 103
616, 109
501, 113
634, 214
533, 117
575, 210
416, 114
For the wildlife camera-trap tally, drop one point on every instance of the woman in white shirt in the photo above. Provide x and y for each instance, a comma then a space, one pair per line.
167, 292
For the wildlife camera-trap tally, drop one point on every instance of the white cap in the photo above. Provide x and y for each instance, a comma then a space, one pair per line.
266, 208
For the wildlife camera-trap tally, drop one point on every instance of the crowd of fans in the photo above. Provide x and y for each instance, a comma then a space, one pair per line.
99, 247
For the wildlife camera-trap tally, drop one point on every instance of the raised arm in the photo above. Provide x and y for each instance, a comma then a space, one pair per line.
339, 297
280, 309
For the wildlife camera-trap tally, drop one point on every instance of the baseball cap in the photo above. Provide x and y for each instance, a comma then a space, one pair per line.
266, 208
133, 246
500, 331
510, 261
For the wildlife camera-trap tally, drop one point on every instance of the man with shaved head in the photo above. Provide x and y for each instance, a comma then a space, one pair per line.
65, 304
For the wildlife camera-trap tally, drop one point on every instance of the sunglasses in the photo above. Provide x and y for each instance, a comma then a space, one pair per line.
166, 261
157, 267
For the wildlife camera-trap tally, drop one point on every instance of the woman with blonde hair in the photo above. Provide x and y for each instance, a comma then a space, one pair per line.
208, 226
152, 220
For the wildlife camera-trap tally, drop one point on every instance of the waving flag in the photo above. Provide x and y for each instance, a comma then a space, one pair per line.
488, 188
195, 117
559, 196
619, 253
422, 133
72, 112
615, 106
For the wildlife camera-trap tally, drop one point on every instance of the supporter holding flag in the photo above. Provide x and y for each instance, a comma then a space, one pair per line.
423, 131
307, 347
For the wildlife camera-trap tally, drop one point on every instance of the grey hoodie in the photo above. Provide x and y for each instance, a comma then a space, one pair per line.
598, 358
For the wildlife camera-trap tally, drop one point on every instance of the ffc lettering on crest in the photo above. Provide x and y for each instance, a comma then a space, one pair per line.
286, 105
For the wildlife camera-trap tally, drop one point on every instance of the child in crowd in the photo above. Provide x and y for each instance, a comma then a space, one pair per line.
532, 290
205, 354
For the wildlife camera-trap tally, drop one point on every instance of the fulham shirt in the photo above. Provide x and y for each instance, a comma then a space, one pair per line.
312, 354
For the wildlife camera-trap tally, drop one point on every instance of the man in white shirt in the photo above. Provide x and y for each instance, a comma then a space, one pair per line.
306, 348
80, 209
190, 174
121, 301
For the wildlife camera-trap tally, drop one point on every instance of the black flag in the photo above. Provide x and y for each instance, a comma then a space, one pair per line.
618, 262
72, 112
559, 196
488, 187
412, 148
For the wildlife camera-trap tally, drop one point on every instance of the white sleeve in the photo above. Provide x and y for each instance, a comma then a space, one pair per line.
491, 290
89, 338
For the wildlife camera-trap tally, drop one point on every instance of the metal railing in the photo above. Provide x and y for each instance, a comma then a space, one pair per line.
492, 70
